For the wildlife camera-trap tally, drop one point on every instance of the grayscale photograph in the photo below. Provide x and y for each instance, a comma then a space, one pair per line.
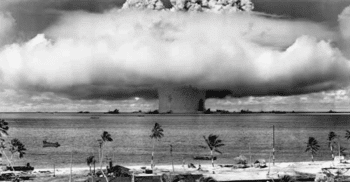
175, 90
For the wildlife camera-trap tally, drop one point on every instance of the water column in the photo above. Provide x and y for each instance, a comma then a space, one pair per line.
181, 99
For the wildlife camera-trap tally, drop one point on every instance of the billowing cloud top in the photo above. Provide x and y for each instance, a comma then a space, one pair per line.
126, 53
193, 5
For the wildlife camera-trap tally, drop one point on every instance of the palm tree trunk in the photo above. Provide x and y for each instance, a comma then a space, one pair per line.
71, 160
101, 164
250, 154
101, 159
8, 160
94, 167
152, 164
212, 158
339, 147
332, 152
312, 157
172, 161
99, 154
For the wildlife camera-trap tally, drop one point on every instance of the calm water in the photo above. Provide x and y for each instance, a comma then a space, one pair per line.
78, 134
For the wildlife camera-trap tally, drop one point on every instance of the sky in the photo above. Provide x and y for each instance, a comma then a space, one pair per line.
91, 55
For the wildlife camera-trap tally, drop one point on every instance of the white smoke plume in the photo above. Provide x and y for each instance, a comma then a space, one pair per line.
344, 24
127, 53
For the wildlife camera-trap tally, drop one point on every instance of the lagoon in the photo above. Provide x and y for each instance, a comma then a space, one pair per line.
78, 134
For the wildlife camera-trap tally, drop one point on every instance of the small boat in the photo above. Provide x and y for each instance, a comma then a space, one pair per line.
203, 158
50, 144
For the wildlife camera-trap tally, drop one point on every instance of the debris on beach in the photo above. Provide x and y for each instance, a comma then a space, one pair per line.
26, 168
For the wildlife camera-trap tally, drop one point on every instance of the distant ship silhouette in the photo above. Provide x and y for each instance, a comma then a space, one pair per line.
50, 144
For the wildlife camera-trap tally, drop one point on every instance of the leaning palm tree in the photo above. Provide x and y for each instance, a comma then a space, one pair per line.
331, 141
105, 137
213, 143
312, 147
157, 134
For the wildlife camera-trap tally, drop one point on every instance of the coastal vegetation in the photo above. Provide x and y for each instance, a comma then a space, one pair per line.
213, 143
157, 134
312, 147
91, 161
15, 146
330, 142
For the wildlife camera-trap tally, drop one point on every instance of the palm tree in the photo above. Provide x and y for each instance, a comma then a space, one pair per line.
105, 137
17, 146
312, 147
3, 133
157, 134
3, 128
343, 151
347, 134
90, 160
331, 141
213, 143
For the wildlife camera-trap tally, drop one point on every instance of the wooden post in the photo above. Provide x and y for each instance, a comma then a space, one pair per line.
268, 173
273, 144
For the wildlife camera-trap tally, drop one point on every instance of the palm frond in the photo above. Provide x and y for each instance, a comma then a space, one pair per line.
312, 146
3, 128
17, 146
287, 178
331, 136
343, 151
219, 145
106, 137
218, 151
208, 143
90, 160
213, 142
157, 131
347, 134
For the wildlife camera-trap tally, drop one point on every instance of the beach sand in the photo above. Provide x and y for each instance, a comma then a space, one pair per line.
219, 173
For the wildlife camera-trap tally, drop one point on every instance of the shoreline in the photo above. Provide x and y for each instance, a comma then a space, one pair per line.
277, 171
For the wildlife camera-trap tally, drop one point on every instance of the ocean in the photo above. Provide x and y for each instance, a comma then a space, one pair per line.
131, 145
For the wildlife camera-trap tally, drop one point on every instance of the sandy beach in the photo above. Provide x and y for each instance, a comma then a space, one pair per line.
219, 172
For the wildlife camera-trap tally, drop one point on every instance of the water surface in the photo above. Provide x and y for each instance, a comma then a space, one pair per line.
78, 134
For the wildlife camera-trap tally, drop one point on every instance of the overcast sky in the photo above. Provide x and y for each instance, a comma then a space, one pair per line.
72, 55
